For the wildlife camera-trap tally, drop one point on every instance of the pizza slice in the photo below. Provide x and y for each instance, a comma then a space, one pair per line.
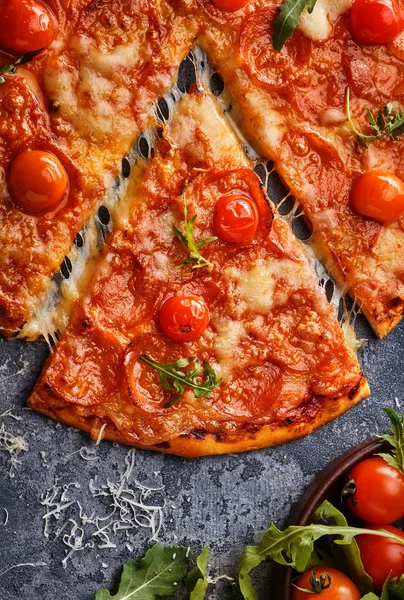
203, 329
68, 116
292, 107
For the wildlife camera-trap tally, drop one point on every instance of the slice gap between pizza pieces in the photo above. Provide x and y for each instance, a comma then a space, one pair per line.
281, 366
83, 100
291, 108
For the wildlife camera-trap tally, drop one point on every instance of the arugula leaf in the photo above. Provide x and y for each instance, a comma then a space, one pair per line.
370, 596
287, 20
396, 588
175, 380
11, 69
396, 439
195, 258
294, 548
386, 124
196, 582
154, 576
347, 557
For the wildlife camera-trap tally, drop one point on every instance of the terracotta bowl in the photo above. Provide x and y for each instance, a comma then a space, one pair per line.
326, 486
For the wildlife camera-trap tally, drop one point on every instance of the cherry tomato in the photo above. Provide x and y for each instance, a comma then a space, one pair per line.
37, 181
184, 318
376, 21
230, 5
379, 195
379, 495
340, 588
26, 25
381, 556
236, 218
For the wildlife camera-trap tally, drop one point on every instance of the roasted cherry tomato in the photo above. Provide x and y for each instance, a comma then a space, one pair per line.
26, 25
236, 218
381, 556
376, 21
327, 584
379, 195
230, 5
184, 318
379, 492
37, 181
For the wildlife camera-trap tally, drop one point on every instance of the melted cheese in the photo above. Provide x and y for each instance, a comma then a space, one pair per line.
227, 345
254, 288
318, 25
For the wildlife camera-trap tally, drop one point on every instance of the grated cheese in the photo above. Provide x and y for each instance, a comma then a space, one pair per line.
126, 507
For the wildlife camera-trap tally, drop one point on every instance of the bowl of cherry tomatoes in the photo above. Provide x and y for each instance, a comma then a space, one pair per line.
366, 485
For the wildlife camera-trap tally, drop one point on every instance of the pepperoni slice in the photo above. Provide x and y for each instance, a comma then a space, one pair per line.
252, 392
218, 15
86, 368
143, 382
122, 295
266, 65
371, 75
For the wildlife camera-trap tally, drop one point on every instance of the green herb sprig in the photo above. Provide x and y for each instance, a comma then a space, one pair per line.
11, 69
173, 379
386, 123
287, 20
295, 548
195, 258
396, 439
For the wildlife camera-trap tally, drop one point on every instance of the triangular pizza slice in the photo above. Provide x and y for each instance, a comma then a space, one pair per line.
203, 329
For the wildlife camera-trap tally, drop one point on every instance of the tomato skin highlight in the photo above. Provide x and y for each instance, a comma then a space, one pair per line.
380, 556
236, 218
184, 318
376, 21
37, 181
341, 588
26, 25
378, 195
229, 5
379, 496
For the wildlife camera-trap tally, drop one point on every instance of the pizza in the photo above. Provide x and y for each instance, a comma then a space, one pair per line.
259, 352
193, 322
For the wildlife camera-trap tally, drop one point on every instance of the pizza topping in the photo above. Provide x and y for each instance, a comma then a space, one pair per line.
195, 258
26, 25
273, 69
236, 218
287, 20
386, 124
184, 318
378, 195
230, 5
37, 181
174, 379
11, 68
376, 21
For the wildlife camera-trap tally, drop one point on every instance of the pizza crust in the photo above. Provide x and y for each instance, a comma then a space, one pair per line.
199, 443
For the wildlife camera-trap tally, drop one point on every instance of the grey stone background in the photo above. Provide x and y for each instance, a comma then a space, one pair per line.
225, 502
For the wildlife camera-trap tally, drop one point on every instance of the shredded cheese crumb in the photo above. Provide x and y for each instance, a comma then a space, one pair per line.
125, 507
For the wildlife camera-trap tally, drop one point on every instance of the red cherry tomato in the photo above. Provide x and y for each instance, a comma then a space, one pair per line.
379, 195
236, 218
184, 318
341, 588
26, 25
376, 21
379, 496
381, 556
230, 5
37, 181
